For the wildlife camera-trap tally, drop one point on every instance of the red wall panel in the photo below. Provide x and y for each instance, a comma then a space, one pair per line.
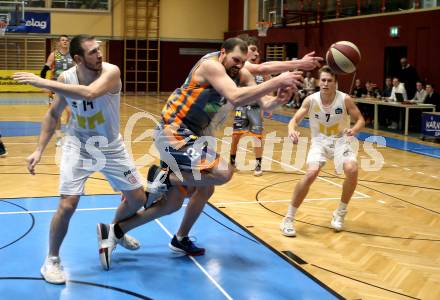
371, 35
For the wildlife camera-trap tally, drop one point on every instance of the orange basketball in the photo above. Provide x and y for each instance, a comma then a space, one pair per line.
342, 57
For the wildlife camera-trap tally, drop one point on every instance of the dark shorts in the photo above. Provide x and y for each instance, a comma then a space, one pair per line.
183, 149
248, 119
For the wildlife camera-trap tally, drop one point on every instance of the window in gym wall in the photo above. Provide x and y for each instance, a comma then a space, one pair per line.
81, 4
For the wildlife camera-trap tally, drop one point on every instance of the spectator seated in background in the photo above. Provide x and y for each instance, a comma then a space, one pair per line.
309, 84
398, 88
371, 90
398, 94
386, 93
358, 90
420, 94
432, 97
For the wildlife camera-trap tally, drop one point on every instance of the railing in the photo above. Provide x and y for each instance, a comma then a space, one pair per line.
277, 11
68, 4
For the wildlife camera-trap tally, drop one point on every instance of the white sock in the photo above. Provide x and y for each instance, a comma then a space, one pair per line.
342, 206
179, 238
291, 211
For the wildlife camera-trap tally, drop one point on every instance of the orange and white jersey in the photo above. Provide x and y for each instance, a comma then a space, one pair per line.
328, 121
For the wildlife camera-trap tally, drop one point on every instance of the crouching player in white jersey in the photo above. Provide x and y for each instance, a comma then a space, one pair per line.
329, 113
92, 91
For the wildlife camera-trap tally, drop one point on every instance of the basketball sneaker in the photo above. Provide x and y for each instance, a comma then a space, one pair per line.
52, 270
338, 219
258, 171
106, 244
155, 185
287, 227
185, 246
3, 151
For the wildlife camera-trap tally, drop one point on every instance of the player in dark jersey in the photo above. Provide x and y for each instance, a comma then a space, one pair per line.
57, 62
189, 162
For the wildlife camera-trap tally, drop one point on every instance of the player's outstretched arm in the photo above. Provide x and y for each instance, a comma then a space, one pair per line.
108, 82
215, 74
355, 113
307, 63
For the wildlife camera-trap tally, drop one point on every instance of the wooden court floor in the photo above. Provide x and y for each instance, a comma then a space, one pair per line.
389, 250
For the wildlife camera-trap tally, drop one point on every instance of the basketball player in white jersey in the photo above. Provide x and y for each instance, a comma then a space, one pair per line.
329, 112
92, 90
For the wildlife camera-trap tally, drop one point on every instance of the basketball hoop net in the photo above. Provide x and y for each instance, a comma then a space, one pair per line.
262, 28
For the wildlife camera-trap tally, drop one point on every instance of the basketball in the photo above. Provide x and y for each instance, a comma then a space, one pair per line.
342, 57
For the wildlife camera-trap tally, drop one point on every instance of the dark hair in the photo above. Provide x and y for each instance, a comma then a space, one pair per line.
249, 39
63, 35
76, 44
327, 69
230, 44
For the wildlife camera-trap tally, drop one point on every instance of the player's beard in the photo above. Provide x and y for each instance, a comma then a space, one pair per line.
93, 67
233, 72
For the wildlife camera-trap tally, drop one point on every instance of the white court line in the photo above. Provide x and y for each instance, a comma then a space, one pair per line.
227, 296
269, 158
52, 210
278, 201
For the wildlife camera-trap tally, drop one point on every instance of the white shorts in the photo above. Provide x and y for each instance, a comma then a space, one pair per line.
79, 161
340, 150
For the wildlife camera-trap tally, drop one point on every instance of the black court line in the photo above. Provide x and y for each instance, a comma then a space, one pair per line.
229, 228
364, 282
85, 283
282, 256
24, 234
345, 231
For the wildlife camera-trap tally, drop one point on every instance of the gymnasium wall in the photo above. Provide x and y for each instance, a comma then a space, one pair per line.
418, 32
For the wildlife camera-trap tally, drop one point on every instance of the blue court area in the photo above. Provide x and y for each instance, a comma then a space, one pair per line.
15, 128
390, 142
235, 266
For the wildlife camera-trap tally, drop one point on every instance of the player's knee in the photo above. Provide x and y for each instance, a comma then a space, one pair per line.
311, 176
224, 176
206, 192
351, 169
66, 209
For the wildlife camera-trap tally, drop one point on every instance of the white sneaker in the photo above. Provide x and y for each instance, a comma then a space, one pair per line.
128, 242
258, 172
287, 227
338, 219
106, 244
52, 270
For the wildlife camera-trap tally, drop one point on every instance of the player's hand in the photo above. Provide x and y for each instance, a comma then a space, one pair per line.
291, 79
32, 160
29, 78
310, 62
284, 95
294, 135
349, 132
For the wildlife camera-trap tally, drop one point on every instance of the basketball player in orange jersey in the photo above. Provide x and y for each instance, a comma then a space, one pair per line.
57, 62
329, 113
249, 119
188, 158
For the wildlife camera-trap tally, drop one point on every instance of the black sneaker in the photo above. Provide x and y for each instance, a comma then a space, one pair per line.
156, 188
3, 151
185, 246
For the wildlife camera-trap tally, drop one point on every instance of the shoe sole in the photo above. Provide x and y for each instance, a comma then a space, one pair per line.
180, 251
258, 174
103, 252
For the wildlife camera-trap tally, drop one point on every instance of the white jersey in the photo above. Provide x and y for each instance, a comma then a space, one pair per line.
329, 120
98, 117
